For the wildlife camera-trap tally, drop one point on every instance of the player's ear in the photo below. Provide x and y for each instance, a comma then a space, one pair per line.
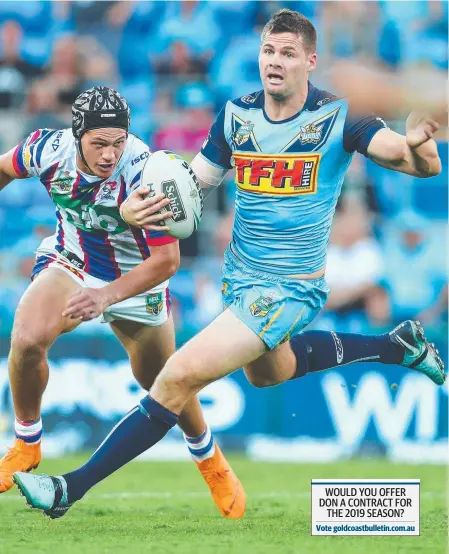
311, 62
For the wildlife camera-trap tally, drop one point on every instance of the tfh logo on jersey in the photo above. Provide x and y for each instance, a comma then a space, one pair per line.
287, 174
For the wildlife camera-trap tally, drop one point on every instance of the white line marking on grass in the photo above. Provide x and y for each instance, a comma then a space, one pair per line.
187, 495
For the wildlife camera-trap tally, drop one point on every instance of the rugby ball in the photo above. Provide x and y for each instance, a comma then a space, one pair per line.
168, 173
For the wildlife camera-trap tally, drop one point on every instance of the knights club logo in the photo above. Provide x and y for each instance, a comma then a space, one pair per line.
243, 133
262, 306
63, 181
311, 133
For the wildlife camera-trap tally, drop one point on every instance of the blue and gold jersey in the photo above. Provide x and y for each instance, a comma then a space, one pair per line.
288, 174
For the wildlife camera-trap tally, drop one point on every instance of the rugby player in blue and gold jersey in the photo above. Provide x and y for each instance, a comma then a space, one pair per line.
291, 145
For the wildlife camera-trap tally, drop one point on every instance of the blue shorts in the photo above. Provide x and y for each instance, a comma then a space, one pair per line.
275, 307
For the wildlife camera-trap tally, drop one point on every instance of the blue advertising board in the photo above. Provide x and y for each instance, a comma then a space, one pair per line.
357, 409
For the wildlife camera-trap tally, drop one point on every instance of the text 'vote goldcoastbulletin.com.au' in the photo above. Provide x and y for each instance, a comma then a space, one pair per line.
365, 506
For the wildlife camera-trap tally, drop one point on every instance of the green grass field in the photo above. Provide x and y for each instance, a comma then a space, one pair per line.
160, 508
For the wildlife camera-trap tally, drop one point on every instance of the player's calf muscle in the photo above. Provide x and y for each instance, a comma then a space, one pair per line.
262, 381
138, 340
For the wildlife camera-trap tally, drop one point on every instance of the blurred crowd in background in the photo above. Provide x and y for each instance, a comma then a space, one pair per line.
177, 63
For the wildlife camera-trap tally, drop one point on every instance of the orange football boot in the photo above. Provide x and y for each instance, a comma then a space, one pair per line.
21, 457
226, 489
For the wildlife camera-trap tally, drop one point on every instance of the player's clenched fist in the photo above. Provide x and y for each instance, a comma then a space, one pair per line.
141, 211
86, 304
419, 129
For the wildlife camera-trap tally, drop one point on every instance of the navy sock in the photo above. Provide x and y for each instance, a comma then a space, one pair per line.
141, 428
318, 350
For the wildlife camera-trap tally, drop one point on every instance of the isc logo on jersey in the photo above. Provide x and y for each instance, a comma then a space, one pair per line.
167, 173
284, 174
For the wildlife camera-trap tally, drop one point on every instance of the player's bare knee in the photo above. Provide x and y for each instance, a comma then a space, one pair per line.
28, 348
29, 344
171, 379
178, 375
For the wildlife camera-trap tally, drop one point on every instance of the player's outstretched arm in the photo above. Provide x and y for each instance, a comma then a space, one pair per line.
415, 153
89, 303
7, 170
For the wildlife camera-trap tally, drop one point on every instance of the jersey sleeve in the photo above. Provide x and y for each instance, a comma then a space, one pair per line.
359, 130
132, 172
156, 238
30, 156
216, 149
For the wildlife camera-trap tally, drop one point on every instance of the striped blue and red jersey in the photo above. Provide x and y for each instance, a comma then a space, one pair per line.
88, 223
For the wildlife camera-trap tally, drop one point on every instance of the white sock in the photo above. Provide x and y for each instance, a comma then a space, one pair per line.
201, 447
28, 431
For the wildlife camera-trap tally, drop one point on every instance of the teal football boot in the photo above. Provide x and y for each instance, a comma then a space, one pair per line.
419, 354
43, 492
